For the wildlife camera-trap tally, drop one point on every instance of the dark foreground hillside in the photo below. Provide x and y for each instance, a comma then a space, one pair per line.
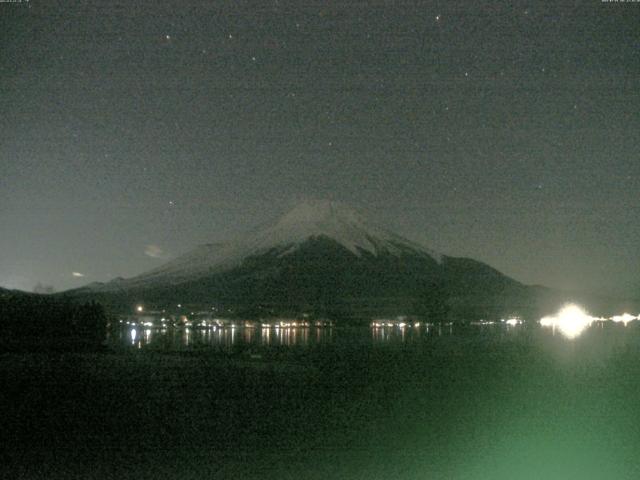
30, 322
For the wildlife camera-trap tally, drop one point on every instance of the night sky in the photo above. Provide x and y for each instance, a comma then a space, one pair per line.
508, 132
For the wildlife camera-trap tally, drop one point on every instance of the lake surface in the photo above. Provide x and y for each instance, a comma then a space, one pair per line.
474, 402
600, 335
256, 338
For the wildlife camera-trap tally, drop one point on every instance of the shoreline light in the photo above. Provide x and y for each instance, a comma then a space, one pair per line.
571, 320
624, 318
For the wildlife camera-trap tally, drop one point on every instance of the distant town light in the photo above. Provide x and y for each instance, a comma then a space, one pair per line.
624, 318
139, 308
571, 321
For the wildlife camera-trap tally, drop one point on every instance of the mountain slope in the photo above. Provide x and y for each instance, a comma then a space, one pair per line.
308, 220
321, 258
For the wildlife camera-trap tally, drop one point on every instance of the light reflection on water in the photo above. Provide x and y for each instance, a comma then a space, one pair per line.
225, 338
231, 337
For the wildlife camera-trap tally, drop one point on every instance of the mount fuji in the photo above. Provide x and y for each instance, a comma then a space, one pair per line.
321, 258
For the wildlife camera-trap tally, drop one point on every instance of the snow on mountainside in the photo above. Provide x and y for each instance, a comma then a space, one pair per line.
337, 222
308, 220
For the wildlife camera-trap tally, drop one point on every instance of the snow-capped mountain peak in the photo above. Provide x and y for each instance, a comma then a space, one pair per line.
310, 219
320, 212
321, 218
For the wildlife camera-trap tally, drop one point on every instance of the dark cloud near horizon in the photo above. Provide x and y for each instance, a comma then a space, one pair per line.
507, 133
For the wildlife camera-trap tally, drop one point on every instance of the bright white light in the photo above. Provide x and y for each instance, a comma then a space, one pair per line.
624, 318
139, 308
513, 321
548, 321
133, 334
571, 321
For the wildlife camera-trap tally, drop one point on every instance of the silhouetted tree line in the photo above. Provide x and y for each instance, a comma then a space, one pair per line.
34, 316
